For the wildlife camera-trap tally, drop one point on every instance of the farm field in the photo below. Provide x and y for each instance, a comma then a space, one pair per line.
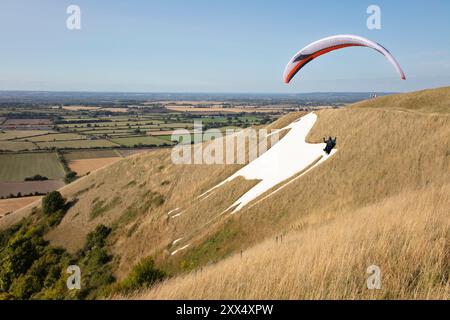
91, 108
16, 167
18, 134
129, 152
205, 137
76, 144
54, 137
162, 132
99, 123
8, 206
29, 187
80, 108
120, 110
140, 140
90, 154
17, 145
216, 109
108, 128
85, 161
27, 124
19, 122
84, 166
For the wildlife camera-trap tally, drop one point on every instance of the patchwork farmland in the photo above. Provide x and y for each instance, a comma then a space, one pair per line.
52, 145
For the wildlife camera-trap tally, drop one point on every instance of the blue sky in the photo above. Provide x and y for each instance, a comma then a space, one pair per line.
218, 46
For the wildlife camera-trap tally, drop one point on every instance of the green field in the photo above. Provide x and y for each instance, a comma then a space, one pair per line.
16, 167
143, 140
91, 154
55, 137
168, 137
77, 144
16, 134
16, 145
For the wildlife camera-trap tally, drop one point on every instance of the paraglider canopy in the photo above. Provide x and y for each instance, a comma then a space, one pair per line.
322, 46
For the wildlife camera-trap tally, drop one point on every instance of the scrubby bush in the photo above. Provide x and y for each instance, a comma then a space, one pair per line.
16, 257
24, 287
97, 274
31, 269
53, 202
97, 237
28, 264
144, 274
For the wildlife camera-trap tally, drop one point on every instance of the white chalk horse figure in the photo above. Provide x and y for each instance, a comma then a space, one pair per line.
291, 155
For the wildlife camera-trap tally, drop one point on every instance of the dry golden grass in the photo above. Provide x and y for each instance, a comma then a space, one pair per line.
380, 154
408, 240
388, 160
426, 101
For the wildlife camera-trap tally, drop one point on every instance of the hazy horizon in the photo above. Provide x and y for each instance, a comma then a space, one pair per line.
218, 47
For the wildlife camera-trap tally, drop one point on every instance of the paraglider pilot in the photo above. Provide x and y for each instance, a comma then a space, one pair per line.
331, 143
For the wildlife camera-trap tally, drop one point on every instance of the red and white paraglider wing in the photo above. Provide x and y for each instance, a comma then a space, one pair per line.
322, 46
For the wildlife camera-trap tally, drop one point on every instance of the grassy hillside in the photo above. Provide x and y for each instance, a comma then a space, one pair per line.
384, 190
407, 239
426, 101
379, 200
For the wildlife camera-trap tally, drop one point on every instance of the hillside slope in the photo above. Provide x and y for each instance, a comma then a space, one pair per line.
425, 101
387, 183
407, 239
383, 199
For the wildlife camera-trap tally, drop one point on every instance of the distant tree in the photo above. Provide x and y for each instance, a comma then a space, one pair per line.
36, 177
70, 176
52, 202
